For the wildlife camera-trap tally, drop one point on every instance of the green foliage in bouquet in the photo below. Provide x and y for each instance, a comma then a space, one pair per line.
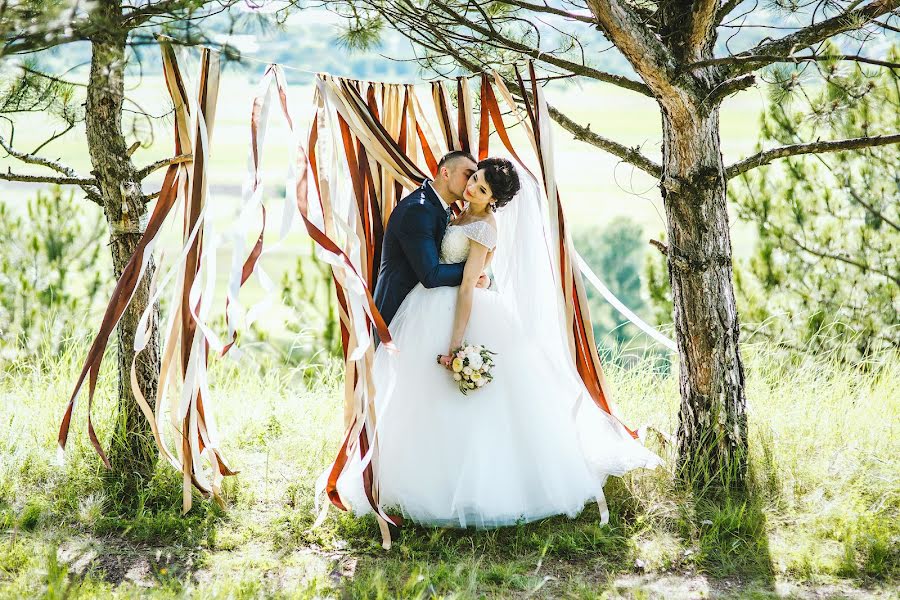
471, 367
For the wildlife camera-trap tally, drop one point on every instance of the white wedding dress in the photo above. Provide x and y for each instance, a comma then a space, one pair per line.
527, 445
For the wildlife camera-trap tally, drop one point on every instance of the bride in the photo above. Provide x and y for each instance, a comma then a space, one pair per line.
527, 445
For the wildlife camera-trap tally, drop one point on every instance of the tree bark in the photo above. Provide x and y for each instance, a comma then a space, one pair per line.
132, 452
712, 433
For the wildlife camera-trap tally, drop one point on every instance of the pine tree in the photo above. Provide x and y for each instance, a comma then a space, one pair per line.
825, 275
114, 29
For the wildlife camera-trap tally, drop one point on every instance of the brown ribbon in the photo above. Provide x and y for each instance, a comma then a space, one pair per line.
587, 361
128, 280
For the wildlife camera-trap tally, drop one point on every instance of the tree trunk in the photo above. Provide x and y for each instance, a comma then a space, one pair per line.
712, 433
132, 452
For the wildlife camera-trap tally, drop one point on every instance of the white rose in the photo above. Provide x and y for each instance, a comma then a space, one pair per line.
467, 370
476, 361
481, 382
457, 377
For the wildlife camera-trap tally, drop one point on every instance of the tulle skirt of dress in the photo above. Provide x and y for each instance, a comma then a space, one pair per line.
528, 445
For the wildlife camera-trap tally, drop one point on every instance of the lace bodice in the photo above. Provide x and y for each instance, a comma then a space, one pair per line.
455, 245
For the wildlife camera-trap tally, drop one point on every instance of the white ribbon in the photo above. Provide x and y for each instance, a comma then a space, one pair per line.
617, 304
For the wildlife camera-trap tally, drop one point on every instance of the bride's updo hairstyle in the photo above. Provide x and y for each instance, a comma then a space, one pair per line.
501, 175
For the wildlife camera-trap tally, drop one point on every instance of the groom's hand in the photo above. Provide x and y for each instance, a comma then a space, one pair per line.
484, 281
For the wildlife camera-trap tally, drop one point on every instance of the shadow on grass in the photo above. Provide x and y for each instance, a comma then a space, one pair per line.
508, 561
723, 539
152, 515
100, 532
728, 530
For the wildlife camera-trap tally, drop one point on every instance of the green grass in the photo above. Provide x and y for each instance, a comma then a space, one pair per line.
822, 513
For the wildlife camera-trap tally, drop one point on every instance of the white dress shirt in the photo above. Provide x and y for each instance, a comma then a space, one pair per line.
443, 202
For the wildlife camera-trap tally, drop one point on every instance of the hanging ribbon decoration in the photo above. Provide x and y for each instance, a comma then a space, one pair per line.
184, 185
380, 135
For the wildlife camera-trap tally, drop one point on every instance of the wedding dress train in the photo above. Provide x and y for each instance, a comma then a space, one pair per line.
527, 445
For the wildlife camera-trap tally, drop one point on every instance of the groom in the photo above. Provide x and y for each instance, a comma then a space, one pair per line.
412, 239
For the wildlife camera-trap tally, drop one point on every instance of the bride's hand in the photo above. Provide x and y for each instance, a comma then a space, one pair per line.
483, 281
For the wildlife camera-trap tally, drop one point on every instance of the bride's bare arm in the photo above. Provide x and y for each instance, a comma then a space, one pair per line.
478, 255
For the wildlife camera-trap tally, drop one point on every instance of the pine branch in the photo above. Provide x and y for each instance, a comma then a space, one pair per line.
53, 137
38, 160
546, 8
171, 8
887, 26
143, 173
663, 249
537, 54
51, 78
729, 87
726, 9
767, 60
767, 156
84, 28
849, 20
871, 209
87, 185
629, 155
35, 41
10, 176
844, 259
419, 28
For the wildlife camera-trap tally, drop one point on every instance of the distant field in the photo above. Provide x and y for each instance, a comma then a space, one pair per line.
595, 187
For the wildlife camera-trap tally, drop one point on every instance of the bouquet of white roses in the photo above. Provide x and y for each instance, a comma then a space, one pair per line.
471, 366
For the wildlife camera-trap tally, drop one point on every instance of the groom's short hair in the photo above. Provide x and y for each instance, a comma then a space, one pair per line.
454, 155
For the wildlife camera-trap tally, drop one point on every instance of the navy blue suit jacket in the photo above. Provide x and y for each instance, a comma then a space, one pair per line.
411, 250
